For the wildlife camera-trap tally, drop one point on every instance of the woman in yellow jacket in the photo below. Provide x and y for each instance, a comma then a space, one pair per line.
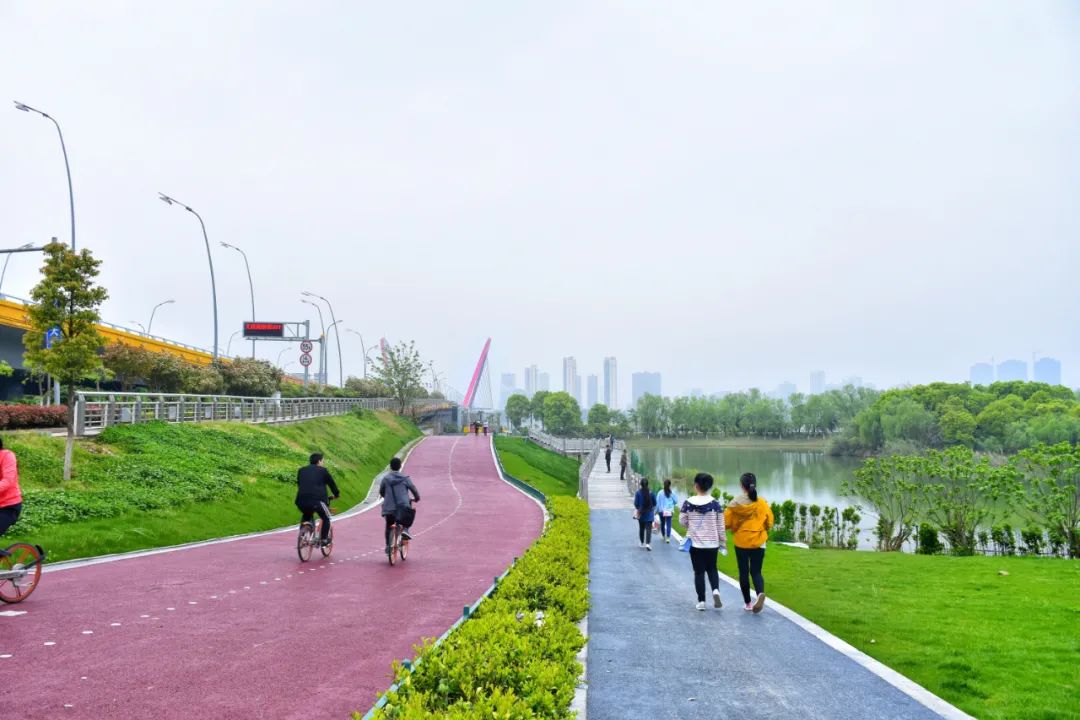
750, 517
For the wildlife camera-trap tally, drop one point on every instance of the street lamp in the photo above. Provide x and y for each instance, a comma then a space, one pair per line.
337, 336
150, 324
136, 322
322, 340
213, 285
27, 246
71, 194
283, 351
363, 349
228, 346
251, 287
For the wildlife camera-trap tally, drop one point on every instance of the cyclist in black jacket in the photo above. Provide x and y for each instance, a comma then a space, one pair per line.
311, 498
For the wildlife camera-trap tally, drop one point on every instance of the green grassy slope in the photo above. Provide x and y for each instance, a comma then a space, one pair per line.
996, 646
548, 472
150, 485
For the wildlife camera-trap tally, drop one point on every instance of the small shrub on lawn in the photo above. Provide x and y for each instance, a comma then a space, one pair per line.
516, 657
15, 417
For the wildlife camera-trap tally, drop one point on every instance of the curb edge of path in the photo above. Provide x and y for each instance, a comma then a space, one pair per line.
355, 510
902, 683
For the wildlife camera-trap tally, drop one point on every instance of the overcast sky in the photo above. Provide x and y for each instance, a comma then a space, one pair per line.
734, 194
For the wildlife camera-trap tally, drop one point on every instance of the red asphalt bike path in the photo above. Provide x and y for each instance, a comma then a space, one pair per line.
243, 629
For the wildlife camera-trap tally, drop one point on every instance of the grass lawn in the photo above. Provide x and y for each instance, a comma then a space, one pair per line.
154, 484
794, 443
547, 471
996, 646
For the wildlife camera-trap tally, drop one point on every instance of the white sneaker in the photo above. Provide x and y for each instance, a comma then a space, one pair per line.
667, 541
716, 599
648, 547
759, 603
642, 546
700, 606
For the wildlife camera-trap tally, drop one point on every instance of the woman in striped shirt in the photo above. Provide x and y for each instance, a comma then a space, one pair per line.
703, 518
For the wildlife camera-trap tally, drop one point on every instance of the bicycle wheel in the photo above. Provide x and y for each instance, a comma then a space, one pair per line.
403, 549
303, 541
327, 549
395, 542
21, 571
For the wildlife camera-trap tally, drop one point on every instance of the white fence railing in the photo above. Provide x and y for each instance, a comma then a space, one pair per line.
96, 411
588, 449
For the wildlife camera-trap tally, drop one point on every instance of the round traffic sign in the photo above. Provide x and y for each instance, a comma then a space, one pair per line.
305, 359
306, 346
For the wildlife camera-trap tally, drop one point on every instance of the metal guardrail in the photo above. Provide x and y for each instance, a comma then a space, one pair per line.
96, 411
588, 448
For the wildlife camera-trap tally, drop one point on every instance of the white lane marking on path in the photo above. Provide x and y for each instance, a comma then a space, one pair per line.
114, 625
460, 499
5, 656
192, 602
87, 632
50, 643
12, 613
144, 616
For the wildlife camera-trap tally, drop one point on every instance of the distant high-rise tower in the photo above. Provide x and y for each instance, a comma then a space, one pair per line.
1012, 370
543, 382
531, 384
569, 375
982, 374
817, 382
611, 383
507, 384
1048, 370
644, 383
593, 391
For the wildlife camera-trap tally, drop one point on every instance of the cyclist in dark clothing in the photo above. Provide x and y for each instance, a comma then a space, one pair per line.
395, 489
312, 480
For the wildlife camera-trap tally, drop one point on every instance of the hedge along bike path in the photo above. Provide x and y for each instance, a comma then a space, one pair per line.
652, 655
243, 629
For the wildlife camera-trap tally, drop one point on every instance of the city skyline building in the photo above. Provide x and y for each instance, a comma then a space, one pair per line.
817, 382
569, 372
507, 387
531, 380
1047, 370
645, 383
543, 382
981, 374
1012, 370
592, 385
611, 383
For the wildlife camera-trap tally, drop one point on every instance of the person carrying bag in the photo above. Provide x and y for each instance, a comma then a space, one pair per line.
703, 518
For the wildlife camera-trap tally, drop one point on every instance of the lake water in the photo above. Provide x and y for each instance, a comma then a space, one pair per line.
801, 476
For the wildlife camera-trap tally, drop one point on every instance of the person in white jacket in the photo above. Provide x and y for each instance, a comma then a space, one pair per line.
703, 517
666, 502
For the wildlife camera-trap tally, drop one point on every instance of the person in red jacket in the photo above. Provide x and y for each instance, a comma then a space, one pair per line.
10, 494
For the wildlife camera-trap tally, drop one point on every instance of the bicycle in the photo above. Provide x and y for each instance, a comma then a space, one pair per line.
20, 571
310, 537
399, 545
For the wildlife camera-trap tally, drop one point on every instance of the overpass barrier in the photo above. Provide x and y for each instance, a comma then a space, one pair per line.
95, 411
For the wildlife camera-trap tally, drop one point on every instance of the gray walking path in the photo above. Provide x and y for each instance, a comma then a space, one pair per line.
652, 655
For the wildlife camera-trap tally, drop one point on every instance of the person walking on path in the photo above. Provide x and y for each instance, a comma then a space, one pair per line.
645, 511
607, 457
750, 518
666, 502
623, 464
703, 518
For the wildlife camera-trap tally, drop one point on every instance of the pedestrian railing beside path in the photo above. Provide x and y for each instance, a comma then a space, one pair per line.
95, 411
586, 449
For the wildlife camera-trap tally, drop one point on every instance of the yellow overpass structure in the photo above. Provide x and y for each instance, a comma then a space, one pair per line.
13, 315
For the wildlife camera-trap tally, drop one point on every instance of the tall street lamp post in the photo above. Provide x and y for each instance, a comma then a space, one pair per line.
7, 259
251, 287
71, 193
363, 348
337, 336
150, 325
213, 285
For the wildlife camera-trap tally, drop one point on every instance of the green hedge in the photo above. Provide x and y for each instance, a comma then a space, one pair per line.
516, 657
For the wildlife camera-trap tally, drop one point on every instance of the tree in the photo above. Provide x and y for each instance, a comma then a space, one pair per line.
958, 492
201, 379
517, 409
889, 485
536, 406
402, 372
957, 424
1046, 489
562, 414
365, 388
652, 414
128, 364
67, 299
167, 373
599, 419
250, 377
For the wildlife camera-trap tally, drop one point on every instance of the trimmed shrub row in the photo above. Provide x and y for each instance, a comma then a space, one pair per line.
516, 657
14, 417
